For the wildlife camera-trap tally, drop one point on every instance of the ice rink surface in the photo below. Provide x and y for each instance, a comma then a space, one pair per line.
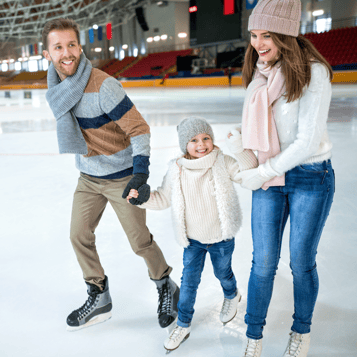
41, 280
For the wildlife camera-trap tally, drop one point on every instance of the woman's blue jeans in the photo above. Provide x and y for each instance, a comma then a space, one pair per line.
307, 197
193, 263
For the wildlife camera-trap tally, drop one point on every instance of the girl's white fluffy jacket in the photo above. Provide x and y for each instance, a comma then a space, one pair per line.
219, 213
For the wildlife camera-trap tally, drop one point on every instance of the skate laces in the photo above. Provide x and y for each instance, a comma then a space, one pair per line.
294, 343
226, 306
176, 333
164, 300
85, 308
251, 349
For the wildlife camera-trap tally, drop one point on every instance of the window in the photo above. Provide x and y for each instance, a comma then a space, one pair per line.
44, 64
33, 66
323, 24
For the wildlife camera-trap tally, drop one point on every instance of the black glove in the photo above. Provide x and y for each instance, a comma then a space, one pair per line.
138, 182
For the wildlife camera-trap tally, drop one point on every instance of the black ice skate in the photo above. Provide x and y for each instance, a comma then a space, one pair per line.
169, 294
96, 309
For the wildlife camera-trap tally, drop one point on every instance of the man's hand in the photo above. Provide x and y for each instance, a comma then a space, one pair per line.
138, 182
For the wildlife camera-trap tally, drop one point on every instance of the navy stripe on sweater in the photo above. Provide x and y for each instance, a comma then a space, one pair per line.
117, 113
121, 109
93, 123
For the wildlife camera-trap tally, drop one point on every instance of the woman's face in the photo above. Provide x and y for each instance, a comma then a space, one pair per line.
263, 43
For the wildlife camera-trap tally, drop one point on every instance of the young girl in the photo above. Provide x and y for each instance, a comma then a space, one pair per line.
205, 213
284, 119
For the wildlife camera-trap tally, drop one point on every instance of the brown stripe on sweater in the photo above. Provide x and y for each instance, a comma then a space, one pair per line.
96, 79
133, 124
107, 140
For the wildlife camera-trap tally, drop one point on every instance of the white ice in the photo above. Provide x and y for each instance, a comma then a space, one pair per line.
41, 282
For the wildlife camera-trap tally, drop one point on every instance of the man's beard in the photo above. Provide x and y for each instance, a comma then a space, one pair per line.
61, 68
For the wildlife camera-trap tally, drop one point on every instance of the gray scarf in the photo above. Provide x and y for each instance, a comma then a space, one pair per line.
62, 97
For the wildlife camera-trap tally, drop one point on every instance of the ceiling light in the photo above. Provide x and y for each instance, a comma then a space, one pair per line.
182, 35
35, 57
317, 12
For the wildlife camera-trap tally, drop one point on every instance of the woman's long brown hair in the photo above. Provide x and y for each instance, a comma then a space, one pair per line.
296, 55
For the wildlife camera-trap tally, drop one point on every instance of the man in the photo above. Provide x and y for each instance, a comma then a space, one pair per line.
98, 122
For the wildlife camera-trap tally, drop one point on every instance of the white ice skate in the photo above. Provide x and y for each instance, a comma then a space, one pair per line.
253, 348
229, 308
298, 345
177, 336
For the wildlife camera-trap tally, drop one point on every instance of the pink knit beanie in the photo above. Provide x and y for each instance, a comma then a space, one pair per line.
280, 16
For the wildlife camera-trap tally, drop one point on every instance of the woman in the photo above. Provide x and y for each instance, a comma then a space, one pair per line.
284, 119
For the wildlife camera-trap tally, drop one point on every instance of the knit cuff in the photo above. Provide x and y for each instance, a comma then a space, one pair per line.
246, 160
141, 164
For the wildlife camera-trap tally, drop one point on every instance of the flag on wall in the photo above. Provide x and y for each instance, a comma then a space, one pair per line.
100, 33
82, 37
109, 31
31, 50
91, 35
35, 47
250, 4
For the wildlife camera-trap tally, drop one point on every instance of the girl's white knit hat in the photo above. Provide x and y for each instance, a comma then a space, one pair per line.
279, 16
189, 128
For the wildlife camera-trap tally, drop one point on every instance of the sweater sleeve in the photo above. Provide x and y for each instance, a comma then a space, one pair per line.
119, 108
234, 168
246, 160
160, 198
313, 112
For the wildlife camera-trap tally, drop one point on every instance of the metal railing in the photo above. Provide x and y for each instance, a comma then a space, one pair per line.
174, 47
330, 25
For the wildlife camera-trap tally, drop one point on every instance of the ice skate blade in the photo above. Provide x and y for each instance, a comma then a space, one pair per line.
95, 320
169, 351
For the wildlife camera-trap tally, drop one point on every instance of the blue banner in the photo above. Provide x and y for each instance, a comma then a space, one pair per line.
31, 50
91, 35
250, 4
100, 33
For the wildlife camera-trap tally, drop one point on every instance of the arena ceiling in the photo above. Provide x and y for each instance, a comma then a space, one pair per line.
21, 20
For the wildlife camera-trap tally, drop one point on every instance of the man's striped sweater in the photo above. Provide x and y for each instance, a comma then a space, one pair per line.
117, 136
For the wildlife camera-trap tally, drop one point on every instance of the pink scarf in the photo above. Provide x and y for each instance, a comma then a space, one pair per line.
258, 124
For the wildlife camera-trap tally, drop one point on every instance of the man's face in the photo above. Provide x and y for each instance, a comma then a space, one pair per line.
63, 51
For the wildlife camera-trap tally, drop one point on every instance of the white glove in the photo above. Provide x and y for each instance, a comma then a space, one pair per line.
255, 178
234, 142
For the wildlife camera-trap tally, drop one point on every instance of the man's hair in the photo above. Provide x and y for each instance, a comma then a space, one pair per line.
59, 24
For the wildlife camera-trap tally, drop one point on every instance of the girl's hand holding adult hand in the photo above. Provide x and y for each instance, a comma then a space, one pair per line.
234, 140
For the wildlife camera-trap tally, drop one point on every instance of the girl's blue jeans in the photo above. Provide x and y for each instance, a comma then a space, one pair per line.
193, 263
307, 197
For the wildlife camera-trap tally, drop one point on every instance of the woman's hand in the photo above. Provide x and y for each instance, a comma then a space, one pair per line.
255, 178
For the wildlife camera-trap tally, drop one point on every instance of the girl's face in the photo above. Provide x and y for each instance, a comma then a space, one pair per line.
200, 145
264, 45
